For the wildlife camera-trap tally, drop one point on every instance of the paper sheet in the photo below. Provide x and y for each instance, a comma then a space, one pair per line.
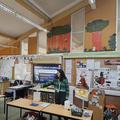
68, 67
97, 65
71, 88
68, 70
90, 64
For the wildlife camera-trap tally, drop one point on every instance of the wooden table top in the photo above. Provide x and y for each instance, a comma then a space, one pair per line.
60, 110
50, 108
26, 103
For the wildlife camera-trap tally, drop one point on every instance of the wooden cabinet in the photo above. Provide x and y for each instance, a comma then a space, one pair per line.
96, 104
4, 86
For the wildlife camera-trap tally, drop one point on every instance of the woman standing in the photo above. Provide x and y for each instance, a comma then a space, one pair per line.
61, 87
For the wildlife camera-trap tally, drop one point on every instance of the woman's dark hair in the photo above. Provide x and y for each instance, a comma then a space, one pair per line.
62, 74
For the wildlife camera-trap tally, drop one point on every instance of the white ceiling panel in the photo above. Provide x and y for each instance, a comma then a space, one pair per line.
13, 26
53, 7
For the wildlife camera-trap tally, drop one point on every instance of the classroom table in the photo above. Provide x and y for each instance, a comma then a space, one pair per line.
23, 104
51, 109
3, 96
60, 111
18, 87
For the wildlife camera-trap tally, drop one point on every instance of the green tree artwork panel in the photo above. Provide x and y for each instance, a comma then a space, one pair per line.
95, 27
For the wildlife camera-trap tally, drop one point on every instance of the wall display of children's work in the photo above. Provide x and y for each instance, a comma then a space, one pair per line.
107, 73
103, 73
83, 73
59, 39
15, 67
20, 66
6, 68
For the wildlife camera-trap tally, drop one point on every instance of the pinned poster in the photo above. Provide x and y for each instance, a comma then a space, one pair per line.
86, 74
90, 64
97, 65
68, 70
68, 66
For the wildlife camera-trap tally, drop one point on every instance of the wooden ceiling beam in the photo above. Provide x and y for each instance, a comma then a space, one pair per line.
33, 9
25, 35
8, 44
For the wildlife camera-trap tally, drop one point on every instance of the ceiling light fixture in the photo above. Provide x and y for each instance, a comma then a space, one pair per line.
92, 3
10, 11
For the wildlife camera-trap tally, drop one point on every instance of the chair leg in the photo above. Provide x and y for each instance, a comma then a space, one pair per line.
4, 104
59, 118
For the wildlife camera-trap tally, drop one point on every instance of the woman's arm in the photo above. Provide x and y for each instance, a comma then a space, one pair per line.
48, 83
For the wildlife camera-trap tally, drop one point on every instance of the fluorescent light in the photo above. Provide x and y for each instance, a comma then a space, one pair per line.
5, 8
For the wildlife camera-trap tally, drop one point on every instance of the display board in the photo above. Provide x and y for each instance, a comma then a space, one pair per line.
22, 71
103, 73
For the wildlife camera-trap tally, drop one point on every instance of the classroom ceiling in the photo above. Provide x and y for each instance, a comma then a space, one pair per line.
39, 11
52, 8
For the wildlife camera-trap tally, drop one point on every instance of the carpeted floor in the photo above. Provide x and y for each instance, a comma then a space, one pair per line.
14, 113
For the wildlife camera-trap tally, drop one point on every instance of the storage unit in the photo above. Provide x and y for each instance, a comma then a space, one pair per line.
4, 85
96, 103
48, 97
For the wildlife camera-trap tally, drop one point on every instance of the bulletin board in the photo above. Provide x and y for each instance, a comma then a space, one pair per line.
93, 70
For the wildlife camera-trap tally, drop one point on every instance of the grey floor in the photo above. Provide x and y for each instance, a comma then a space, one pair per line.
14, 113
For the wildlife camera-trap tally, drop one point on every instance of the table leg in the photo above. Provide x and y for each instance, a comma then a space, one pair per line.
4, 103
14, 94
6, 112
50, 117
40, 115
83, 104
20, 112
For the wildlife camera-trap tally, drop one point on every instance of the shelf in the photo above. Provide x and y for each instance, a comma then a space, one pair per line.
102, 54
